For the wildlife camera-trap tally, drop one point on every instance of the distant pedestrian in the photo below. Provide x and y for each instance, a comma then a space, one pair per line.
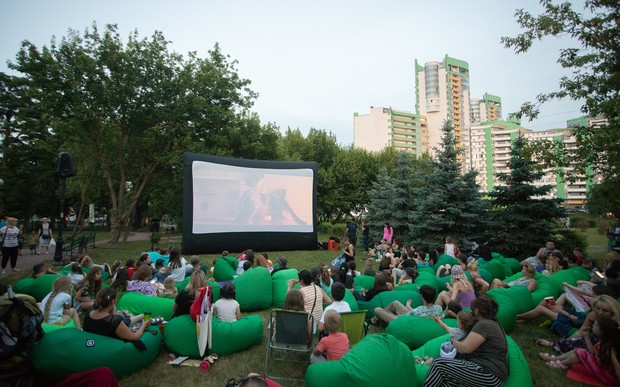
365, 235
9, 243
45, 235
352, 231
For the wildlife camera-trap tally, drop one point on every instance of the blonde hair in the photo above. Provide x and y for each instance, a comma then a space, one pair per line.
61, 285
196, 281
169, 283
610, 303
332, 321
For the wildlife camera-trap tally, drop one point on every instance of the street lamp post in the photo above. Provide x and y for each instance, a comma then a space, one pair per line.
65, 167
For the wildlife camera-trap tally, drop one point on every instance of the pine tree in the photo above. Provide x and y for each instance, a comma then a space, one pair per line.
521, 218
380, 206
445, 202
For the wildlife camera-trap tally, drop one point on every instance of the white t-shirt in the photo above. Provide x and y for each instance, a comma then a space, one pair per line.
179, 273
226, 310
338, 306
57, 307
10, 236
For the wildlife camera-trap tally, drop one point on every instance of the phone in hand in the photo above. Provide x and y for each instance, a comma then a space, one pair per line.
599, 274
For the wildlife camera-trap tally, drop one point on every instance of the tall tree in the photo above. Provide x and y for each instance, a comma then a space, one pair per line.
380, 205
444, 202
594, 61
522, 219
130, 105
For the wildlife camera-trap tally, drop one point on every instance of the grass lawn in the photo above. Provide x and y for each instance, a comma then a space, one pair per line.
251, 360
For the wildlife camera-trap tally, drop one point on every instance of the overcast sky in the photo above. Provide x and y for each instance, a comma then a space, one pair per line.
315, 63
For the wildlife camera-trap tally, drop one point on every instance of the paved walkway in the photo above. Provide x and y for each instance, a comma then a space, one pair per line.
26, 261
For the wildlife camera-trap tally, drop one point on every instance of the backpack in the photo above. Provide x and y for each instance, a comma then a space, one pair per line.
20, 324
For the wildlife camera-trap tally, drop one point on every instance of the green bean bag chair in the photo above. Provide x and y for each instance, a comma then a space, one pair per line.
563, 276
383, 299
363, 282
412, 287
416, 331
442, 282
225, 268
180, 335
544, 288
443, 260
36, 287
349, 299
182, 284
580, 273
496, 268
215, 287
253, 289
377, 360
514, 264
136, 303
485, 274
519, 296
427, 277
279, 285
68, 351
520, 375
47, 328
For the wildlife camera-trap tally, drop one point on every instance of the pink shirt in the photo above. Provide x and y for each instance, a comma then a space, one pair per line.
334, 346
388, 233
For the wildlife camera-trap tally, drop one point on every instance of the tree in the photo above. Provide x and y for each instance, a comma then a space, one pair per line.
380, 205
595, 78
131, 106
521, 219
444, 202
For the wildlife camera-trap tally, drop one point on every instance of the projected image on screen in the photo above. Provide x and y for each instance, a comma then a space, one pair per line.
240, 199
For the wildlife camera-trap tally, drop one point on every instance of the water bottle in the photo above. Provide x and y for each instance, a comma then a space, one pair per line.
10, 292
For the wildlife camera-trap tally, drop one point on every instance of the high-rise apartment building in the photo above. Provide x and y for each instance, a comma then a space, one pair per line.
387, 127
489, 108
442, 93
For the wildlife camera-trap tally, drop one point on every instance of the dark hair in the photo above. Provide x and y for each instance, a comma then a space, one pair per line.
485, 252
487, 308
342, 272
338, 290
315, 272
76, 268
104, 298
609, 339
175, 258
352, 267
130, 262
381, 280
120, 282
454, 306
143, 257
38, 269
247, 265
462, 258
411, 272
228, 291
249, 256
142, 274
305, 277
428, 293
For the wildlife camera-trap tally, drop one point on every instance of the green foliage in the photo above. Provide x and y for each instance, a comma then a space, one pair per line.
604, 198
446, 203
593, 61
521, 220
578, 220
566, 239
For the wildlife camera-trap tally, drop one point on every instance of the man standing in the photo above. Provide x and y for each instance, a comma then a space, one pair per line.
352, 231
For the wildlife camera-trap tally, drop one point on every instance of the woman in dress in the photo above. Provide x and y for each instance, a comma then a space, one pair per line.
45, 235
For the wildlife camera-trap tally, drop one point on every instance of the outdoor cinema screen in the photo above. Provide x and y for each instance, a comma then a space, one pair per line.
236, 204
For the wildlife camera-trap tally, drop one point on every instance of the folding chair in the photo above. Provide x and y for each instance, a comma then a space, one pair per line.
289, 331
354, 325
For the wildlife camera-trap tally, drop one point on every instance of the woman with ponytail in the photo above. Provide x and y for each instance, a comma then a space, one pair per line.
56, 306
484, 353
103, 319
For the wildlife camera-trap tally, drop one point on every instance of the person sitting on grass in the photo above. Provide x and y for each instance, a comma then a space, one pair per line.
395, 308
86, 290
175, 268
170, 289
528, 272
598, 364
227, 309
56, 306
103, 319
334, 346
338, 290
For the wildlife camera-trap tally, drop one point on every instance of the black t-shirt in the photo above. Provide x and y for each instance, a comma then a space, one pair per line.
105, 326
184, 302
371, 293
365, 230
409, 263
348, 281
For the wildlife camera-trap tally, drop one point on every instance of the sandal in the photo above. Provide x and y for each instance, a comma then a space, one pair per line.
211, 358
547, 357
557, 365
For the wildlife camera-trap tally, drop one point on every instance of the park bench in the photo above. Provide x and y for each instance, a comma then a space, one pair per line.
75, 244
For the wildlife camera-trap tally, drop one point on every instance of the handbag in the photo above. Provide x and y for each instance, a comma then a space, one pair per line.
52, 242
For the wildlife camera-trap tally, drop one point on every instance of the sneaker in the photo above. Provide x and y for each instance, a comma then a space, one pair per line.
15, 270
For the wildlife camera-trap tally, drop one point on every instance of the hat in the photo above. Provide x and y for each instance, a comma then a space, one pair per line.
388, 255
457, 272
470, 259
282, 261
305, 276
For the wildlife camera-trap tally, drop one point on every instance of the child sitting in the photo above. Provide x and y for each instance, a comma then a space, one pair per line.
334, 346
464, 321
170, 290
76, 273
227, 309
410, 275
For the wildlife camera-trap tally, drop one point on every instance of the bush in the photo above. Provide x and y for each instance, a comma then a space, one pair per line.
582, 221
333, 229
567, 239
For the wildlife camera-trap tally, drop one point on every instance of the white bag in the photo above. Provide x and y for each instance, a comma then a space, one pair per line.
52, 242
